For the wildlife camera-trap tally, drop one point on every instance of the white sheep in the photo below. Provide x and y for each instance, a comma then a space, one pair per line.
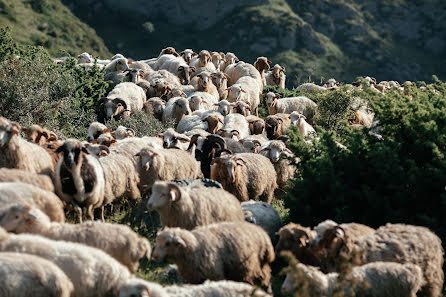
92, 272
203, 62
302, 104
95, 130
311, 88
119, 64
119, 241
253, 143
187, 55
246, 89
123, 132
229, 59
24, 275
224, 107
176, 109
191, 122
235, 126
205, 84
175, 65
125, 99
18, 153
305, 129
276, 77
192, 206
172, 139
155, 105
18, 175
202, 101
384, 279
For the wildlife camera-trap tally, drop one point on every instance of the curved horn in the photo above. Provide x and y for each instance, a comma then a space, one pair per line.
217, 141
118, 100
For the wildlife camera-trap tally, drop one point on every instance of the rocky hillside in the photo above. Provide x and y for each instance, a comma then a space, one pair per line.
50, 24
319, 38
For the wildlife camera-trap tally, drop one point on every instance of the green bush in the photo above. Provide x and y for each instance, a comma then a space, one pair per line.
399, 179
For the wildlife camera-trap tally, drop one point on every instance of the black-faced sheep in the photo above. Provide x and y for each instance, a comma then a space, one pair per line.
276, 125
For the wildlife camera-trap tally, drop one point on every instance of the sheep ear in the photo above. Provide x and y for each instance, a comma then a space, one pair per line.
60, 149
178, 241
161, 135
283, 68
243, 91
193, 69
268, 61
174, 192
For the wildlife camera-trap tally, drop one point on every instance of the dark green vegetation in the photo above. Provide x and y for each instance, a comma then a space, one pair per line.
316, 39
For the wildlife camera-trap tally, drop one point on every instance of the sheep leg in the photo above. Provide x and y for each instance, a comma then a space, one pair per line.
90, 211
102, 214
78, 211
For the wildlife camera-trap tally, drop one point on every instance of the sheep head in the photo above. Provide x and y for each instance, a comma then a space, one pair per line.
297, 118
173, 139
187, 55
233, 134
332, 240
236, 92
123, 132
169, 51
294, 238
217, 59
205, 57
262, 64
215, 123
184, 73
233, 166
19, 218
72, 150
230, 58
204, 80
37, 134
84, 58
147, 156
120, 64
98, 150
94, 130
224, 107
176, 93
106, 139
331, 83
278, 73
271, 99
113, 107
256, 127
171, 243
7, 130
135, 287
219, 79
242, 108
273, 127
134, 75
181, 108
156, 105
163, 194
251, 145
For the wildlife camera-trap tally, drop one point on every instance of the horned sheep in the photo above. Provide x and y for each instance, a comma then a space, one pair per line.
39, 135
192, 206
238, 251
119, 241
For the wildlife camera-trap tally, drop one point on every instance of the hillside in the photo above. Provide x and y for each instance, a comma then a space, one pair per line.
50, 24
402, 40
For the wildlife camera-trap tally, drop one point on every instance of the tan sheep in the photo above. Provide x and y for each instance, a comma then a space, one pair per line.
39, 135
256, 124
17, 175
262, 65
276, 77
238, 251
189, 207
220, 80
119, 241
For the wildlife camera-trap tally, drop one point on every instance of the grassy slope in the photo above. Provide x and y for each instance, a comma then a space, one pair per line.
50, 24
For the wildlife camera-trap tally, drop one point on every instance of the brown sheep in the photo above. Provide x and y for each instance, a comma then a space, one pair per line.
262, 64
276, 125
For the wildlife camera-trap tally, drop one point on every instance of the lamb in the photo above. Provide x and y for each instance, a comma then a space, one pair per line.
122, 132
262, 64
242, 108
39, 135
95, 130
125, 99
177, 66
157, 106
176, 109
256, 124
276, 77
79, 178
21, 193
305, 129
187, 55
166, 164
172, 139
284, 168
92, 272
192, 206
246, 175
17, 175
253, 143
205, 84
18, 153
391, 243
276, 125
117, 65
220, 80
235, 125
119, 241
264, 215
383, 279
224, 288
300, 104
21, 274
238, 251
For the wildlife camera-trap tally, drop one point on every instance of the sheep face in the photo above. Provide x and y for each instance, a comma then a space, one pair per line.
278, 73
162, 88
204, 57
187, 55
331, 83
215, 123
7, 130
106, 139
219, 78
184, 73
262, 64
147, 155
15, 217
122, 132
293, 238
172, 139
273, 127
84, 58
117, 56
242, 108
236, 92
113, 107
163, 194
176, 93
134, 75
230, 58
72, 150
217, 59
121, 64
274, 150
35, 133
95, 130
167, 245
257, 127
224, 107
271, 98
294, 117
182, 108
204, 80
97, 150
331, 240
232, 166
195, 103
252, 146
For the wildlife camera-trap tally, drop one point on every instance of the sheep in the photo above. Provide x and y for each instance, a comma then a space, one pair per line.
276, 77
97, 150
18, 153
157, 106
92, 272
187, 55
364, 115
205, 84
172, 139
243, 69
163, 75
95, 130
263, 215
217, 60
230, 58
300, 104
192, 122
256, 124
253, 143
242, 108
24, 275
21, 193
297, 239
391, 243
224, 288
383, 279
120, 64
177, 66
79, 178
84, 58
119, 241
238, 251
131, 75
39, 135
220, 80
106, 139
246, 175
262, 64
276, 125
284, 168
224, 107
202, 100
352, 230
235, 126
176, 109
202, 62
125, 99
206, 149
17, 175
331, 83
305, 129
122, 132
166, 164
246, 89
192, 206
311, 88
